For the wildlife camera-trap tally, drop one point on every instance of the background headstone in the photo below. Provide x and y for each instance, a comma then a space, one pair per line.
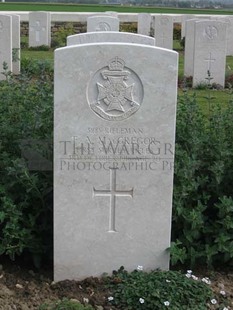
185, 17
112, 36
189, 47
39, 28
209, 52
5, 43
144, 24
16, 44
102, 23
163, 31
229, 21
114, 135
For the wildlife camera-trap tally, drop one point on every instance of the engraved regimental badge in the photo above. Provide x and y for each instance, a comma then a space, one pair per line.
115, 92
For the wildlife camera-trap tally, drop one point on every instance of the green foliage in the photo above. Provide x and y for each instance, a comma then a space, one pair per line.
177, 32
128, 27
203, 205
65, 304
39, 48
154, 290
26, 104
59, 39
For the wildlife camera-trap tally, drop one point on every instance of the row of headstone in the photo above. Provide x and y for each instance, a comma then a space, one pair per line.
114, 131
9, 43
205, 51
162, 25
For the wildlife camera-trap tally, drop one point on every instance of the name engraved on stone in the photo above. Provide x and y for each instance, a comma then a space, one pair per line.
210, 60
115, 92
103, 26
211, 32
113, 193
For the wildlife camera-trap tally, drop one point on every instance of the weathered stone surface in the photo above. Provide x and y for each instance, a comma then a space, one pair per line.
39, 28
109, 36
102, 23
189, 47
5, 43
114, 132
144, 24
209, 52
163, 31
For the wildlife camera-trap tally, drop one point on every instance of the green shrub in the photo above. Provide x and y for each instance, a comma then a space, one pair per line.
157, 290
26, 109
39, 48
128, 27
203, 205
59, 38
177, 32
65, 304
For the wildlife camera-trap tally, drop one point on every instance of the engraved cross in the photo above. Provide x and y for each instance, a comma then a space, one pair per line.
112, 193
37, 28
210, 60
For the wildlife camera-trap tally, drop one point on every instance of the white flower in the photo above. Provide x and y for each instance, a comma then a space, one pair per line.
213, 301
168, 281
223, 293
110, 298
206, 280
194, 278
139, 268
188, 275
166, 303
189, 271
225, 308
141, 300
86, 300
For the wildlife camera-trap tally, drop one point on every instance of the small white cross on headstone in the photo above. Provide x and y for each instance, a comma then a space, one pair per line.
210, 60
112, 193
37, 28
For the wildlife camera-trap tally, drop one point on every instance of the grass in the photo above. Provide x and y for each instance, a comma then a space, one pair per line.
101, 8
38, 55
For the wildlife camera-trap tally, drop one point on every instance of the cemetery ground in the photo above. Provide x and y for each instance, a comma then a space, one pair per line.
24, 288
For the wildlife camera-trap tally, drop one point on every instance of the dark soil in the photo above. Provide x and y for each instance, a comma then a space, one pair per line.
24, 289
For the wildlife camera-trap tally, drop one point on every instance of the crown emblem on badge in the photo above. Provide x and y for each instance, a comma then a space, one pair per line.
116, 64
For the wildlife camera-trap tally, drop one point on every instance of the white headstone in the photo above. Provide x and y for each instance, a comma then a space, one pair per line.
111, 36
209, 52
112, 13
114, 136
185, 17
5, 43
229, 21
39, 28
163, 28
16, 44
102, 23
189, 47
144, 23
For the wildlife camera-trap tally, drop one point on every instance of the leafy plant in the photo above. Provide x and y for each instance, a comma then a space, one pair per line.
65, 304
204, 159
39, 48
157, 290
59, 39
26, 104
